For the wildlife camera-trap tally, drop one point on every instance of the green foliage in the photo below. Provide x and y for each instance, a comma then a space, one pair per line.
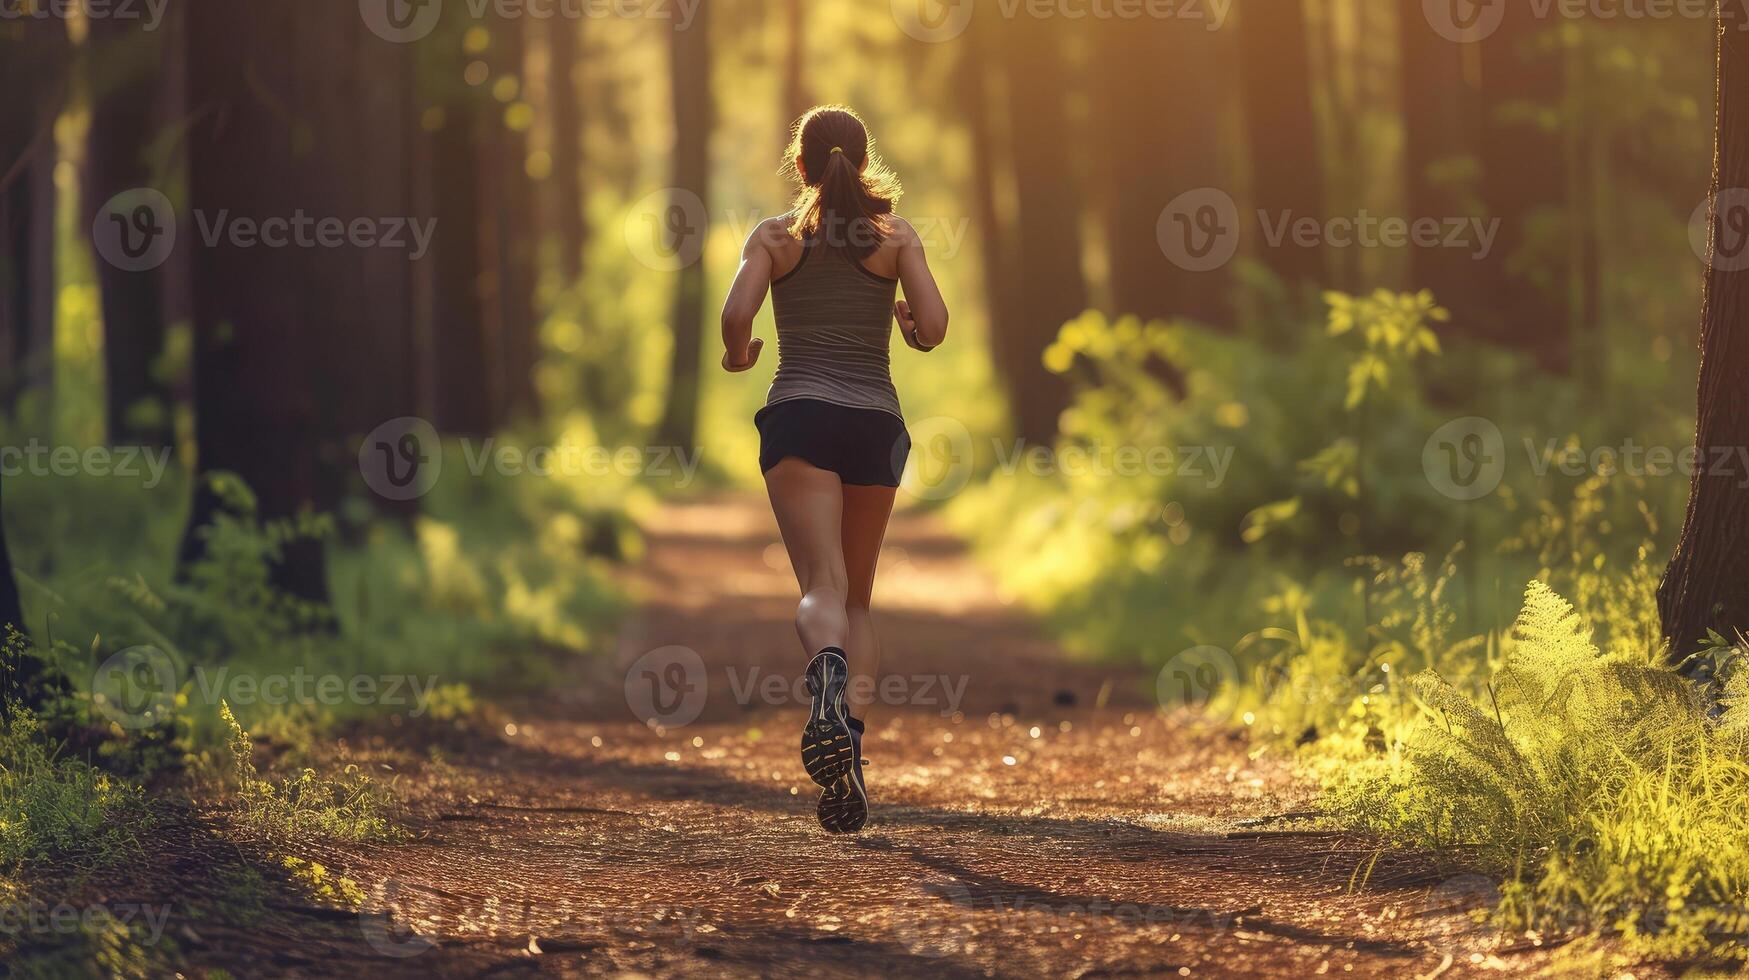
1590, 779
349, 806
54, 809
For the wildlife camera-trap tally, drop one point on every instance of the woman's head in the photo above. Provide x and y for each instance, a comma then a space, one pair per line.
845, 191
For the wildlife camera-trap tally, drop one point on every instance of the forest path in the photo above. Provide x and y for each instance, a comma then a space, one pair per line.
586, 842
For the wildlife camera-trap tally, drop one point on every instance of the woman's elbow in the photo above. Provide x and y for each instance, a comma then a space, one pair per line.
933, 332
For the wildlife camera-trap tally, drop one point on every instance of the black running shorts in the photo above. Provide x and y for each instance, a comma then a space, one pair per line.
866, 447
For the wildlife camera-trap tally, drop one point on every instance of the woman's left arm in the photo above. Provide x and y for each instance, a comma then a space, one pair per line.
746, 297
922, 313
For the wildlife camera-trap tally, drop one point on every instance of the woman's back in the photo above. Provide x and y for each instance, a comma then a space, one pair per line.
834, 330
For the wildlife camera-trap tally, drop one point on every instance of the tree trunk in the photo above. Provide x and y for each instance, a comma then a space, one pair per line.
126, 84
34, 59
1159, 127
11, 610
1525, 179
694, 118
257, 317
1706, 586
1281, 129
795, 87
984, 117
567, 176
1439, 148
1052, 289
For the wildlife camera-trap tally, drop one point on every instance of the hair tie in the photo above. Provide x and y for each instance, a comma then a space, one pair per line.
836, 149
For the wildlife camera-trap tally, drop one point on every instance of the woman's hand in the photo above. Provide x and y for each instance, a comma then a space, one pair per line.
754, 346
908, 326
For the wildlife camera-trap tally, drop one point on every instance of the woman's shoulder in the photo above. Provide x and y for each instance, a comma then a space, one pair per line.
900, 232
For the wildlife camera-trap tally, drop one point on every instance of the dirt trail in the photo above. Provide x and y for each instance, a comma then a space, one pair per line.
584, 841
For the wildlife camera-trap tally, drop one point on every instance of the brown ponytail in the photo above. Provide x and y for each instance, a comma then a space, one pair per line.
846, 193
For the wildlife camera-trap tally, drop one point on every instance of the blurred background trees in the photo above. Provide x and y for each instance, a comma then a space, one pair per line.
563, 162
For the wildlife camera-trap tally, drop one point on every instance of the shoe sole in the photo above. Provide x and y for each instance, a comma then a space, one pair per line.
826, 750
843, 807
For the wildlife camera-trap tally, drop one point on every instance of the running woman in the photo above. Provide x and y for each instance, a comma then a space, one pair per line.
832, 439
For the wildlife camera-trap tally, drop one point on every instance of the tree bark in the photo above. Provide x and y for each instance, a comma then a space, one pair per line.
123, 72
1439, 146
34, 66
1051, 287
1706, 586
567, 176
1281, 129
1158, 124
694, 118
257, 311
1525, 178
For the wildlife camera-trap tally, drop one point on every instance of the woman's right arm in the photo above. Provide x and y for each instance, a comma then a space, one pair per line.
746, 297
922, 313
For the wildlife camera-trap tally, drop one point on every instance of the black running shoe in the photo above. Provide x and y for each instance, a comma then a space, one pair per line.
827, 750
843, 805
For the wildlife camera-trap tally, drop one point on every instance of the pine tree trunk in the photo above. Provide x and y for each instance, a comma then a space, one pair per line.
34, 68
1051, 288
1281, 130
694, 117
1439, 133
1158, 125
257, 320
567, 177
1524, 178
1706, 586
126, 88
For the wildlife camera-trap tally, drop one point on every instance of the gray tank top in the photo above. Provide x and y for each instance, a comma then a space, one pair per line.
834, 326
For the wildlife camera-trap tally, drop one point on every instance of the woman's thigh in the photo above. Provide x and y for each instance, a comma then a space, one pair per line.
809, 505
866, 512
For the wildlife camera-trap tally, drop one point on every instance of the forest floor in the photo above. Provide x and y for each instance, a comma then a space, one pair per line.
1051, 822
